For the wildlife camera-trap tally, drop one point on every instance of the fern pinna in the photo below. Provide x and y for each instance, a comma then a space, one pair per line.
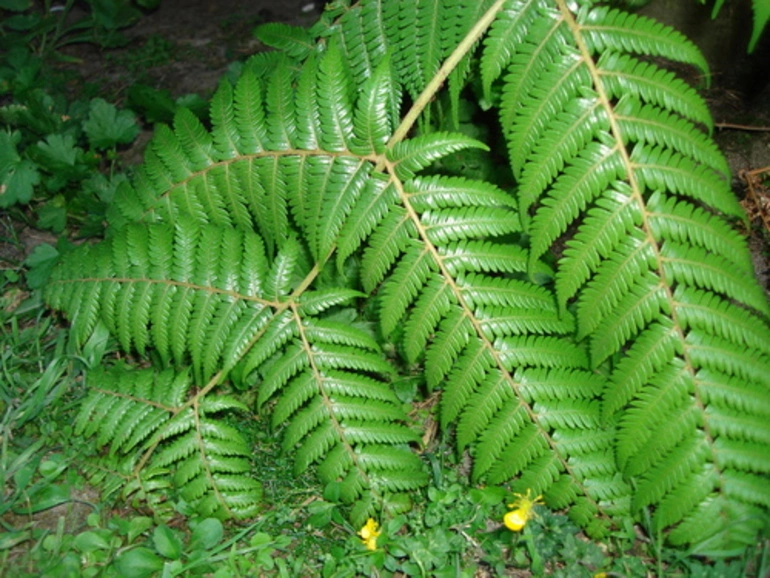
595, 330
163, 436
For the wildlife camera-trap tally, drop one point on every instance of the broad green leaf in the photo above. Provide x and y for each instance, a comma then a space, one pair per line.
206, 534
167, 542
18, 176
138, 563
107, 127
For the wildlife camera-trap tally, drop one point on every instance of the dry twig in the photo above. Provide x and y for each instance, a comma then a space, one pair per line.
757, 201
748, 127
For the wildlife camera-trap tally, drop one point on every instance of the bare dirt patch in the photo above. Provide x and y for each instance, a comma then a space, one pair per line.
185, 46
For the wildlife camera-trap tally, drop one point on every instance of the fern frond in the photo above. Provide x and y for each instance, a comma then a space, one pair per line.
667, 170
652, 125
647, 319
164, 438
610, 30
411, 156
459, 18
248, 102
333, 95
270, 145
373, 116
623, 74
417, 41
365, 37
195, 304
685, 223
694, 267
505, 35
614, 161
417, 38
456, 286
322, 369
339, 413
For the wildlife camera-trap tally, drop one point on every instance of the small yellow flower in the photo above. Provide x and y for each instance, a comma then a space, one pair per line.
369, 534
523, 506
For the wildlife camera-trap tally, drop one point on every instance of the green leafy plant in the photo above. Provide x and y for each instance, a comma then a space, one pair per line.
206, 553
61, 158
205, 458
47, 27
591, 325
760, 8
56, 155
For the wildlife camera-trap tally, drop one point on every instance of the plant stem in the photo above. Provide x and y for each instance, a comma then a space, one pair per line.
465, 46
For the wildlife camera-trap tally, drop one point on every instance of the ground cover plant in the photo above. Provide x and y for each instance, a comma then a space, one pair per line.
456, 256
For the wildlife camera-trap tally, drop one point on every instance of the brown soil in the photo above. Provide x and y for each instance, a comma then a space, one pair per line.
199, 38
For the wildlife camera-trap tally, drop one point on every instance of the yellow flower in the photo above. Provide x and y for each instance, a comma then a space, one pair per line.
369, 534
516, 519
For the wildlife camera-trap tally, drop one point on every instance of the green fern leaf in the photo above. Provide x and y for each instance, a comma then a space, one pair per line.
280, 119
248, 101
315, 302
162, 437
609, 30
686, 223
364, 37
341, 182
480, 332
660, 169
693, 266
194, 140
505, 35
652, 125
646, 319
225, 137
337, 413
622, 74
205, 300
388, 242
379, 193
411, 156
292, 40
458, 21
613, 162
334, 102
416, 39
373, 113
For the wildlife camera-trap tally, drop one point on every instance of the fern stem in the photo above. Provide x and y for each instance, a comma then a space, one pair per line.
465, 46
308, 280
746, 127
